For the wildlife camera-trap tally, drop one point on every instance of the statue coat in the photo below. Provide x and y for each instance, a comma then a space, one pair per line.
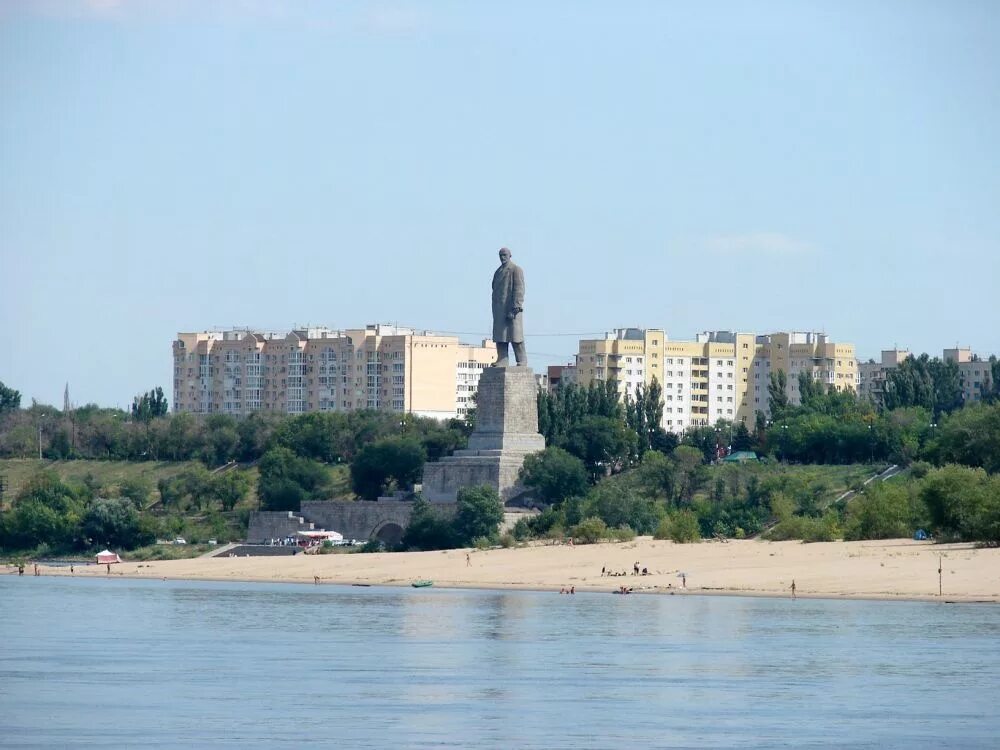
508, 296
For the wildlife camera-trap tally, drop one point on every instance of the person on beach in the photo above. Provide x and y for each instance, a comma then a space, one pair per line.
604, 569
468, 560
572, 589
109, 568
316, 580
72, 569
684, 580
635, 568
36, 569
20, 569
793, 588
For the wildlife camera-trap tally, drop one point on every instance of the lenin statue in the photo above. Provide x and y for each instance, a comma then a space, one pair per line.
508, 306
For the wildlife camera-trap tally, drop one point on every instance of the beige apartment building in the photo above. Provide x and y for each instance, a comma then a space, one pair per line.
630, 356
318, 369
871, 375
721, 375
831, 363
975, 372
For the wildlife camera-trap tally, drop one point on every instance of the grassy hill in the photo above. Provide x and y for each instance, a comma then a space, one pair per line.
105, 473
111, 473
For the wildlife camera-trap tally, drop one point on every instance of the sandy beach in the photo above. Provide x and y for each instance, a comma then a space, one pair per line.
890, 569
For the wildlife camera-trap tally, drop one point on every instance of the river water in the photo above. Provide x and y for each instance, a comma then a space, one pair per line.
129, 663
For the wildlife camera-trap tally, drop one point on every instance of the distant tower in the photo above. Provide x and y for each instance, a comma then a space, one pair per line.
66, 406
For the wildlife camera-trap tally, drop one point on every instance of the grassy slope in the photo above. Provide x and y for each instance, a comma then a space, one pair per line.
836, 479
107, 473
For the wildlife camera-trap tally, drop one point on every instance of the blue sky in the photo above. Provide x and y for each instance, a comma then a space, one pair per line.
175, 166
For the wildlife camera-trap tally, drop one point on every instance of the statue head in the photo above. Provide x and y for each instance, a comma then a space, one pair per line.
504, 256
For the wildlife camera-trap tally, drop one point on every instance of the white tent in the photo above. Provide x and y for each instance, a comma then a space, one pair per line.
333, 536
107, 557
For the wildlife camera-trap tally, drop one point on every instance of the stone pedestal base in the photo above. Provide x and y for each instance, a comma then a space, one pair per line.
506, 431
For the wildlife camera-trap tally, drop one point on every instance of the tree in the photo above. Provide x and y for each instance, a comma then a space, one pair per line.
386, 463
963, 503
115, 523
427, 530
45, 511
220, 439
479, 513
10, 400
603, 443
922, 381
690, 469
657, 476
619, 506
810, 389
742, 440
286, 480
230, 488
148, 406
883, 511
555, 474
777, 394
969, 436
136, 490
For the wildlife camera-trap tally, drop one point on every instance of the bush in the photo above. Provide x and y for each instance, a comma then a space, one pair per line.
618, 505
622, 534
115, 523
427, 530
884, 511
963, 503
479, 513
825, 529
555, 533
589, 531
680, 526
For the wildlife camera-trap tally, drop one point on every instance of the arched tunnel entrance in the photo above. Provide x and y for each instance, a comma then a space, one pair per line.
389, 533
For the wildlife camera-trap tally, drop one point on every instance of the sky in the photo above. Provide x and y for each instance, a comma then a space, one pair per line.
188, 165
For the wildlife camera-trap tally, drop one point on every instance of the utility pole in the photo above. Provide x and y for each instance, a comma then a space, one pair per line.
39, 441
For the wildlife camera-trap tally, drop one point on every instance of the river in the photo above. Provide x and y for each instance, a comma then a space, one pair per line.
129, 663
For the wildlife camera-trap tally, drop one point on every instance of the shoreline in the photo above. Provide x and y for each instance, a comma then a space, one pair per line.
885, 570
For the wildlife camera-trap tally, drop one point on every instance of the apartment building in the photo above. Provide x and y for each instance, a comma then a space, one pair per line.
831, 363
318, 369
559, 375
703, 381
976, 372
871, 375
720, 375
629, 356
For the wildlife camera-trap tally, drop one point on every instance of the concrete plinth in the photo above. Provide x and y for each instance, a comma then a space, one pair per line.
506, 431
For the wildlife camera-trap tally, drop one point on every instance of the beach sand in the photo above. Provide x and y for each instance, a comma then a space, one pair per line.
888, 569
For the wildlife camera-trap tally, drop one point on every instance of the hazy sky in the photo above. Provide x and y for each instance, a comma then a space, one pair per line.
173, 166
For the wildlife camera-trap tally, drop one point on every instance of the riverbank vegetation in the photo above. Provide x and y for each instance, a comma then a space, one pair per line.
123, 478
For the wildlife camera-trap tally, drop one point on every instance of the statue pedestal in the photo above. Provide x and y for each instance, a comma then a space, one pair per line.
506, 431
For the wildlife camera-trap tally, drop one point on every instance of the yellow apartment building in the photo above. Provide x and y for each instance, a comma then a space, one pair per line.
629, 356
721, 375
831, 363
318, 369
